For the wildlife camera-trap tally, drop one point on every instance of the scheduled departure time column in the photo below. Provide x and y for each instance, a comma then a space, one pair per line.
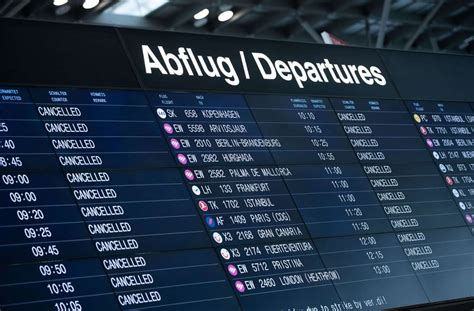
338, 204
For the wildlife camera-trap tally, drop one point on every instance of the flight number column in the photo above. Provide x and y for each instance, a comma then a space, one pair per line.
446, 131
249, 215
136, 208
43, 235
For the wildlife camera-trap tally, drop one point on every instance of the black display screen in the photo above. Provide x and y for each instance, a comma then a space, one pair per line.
129, 198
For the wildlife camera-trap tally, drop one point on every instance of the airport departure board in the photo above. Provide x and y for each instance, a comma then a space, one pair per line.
157, 171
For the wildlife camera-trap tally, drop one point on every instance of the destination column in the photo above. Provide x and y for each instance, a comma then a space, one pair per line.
239, 192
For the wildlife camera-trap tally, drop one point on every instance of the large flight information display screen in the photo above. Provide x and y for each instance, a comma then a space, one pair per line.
176, 198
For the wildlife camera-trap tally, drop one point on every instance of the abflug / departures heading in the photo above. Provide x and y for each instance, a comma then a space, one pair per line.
172, 171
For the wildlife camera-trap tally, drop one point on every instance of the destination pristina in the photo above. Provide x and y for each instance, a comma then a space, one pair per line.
186, 62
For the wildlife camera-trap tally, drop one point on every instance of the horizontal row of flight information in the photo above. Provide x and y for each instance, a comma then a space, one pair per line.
133, 200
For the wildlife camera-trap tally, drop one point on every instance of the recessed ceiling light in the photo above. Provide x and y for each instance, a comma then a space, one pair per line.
136, 7
60, 2
225, 16
90, 4
201, 14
